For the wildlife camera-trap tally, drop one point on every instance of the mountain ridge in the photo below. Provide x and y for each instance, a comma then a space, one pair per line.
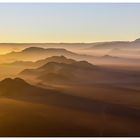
37, 53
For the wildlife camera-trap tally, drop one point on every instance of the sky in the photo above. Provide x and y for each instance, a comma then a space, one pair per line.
67, 22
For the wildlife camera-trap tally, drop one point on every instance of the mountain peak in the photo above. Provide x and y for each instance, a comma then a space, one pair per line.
6, 80
49, 64
40, 49
9, 82
137, 40
58, 59
62, 49
84, 64
19, 80
33, 49
108, 56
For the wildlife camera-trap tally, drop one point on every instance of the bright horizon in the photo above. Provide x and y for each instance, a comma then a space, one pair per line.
68, 23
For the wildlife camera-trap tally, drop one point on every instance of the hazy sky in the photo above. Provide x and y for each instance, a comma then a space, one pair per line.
69, 22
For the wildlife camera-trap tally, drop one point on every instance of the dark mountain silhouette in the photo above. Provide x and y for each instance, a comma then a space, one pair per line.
15, 87
61, 72
77, 73
19, 89
59, 59
79, 64
33, 49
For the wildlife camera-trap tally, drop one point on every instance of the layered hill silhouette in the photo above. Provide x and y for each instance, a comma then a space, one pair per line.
14, 68
128, 49
77, 72
117, 44
105, 59
59, 59
100, 45
63, 93
19, 89
116, 60
125, 52
36, 53
58, 72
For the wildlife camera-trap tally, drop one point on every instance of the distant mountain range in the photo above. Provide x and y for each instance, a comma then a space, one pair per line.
116, 60
108, 58
42, 50
39, 63
117, 44
125, 52
36, 53
109, 44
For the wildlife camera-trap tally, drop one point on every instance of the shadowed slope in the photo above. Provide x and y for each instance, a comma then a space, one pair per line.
78, 72
61, 72
34, 111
